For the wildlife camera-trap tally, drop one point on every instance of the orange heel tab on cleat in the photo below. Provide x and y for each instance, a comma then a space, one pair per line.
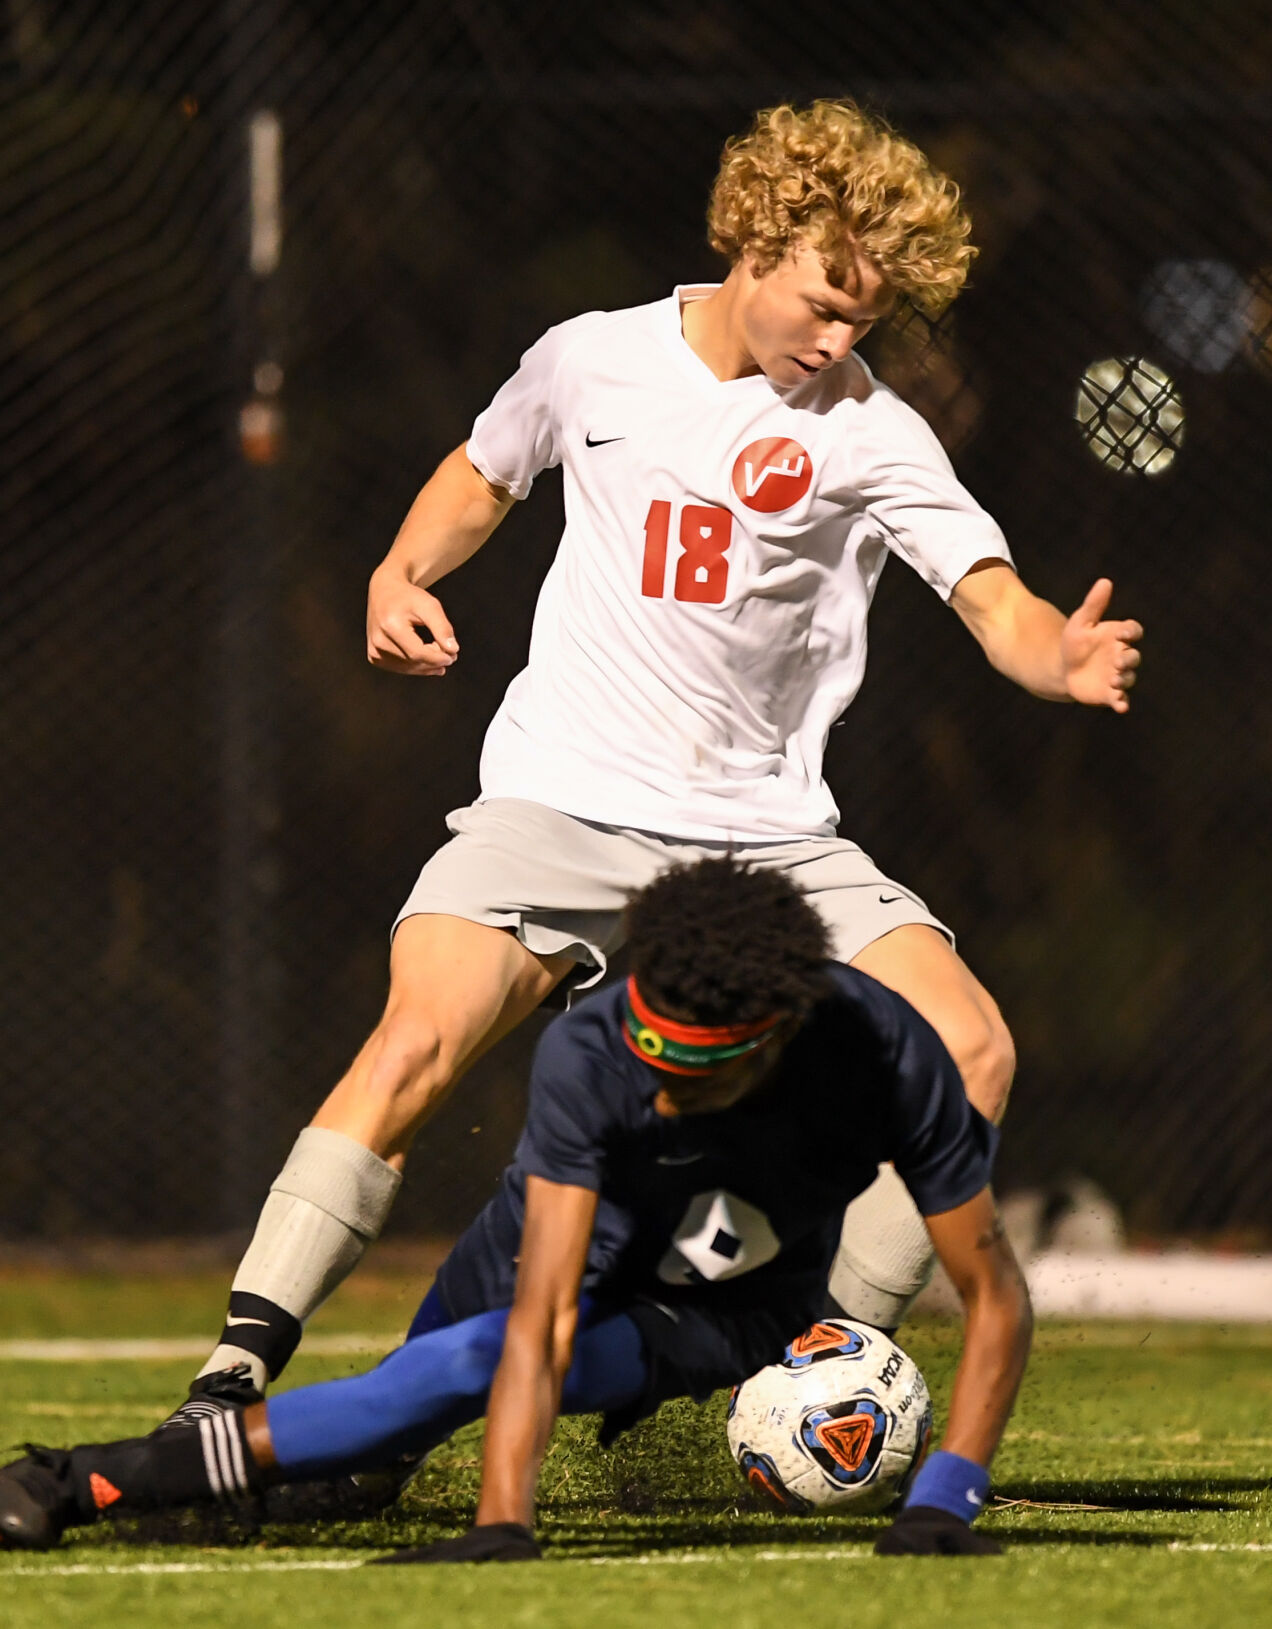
104, 1492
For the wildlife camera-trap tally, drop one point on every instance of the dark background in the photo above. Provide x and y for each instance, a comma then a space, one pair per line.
212, 806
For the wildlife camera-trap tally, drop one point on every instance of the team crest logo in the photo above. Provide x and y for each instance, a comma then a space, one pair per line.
846, 1439
772, 474
823, 1340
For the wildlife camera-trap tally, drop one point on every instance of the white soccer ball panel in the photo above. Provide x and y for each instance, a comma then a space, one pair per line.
841, 1422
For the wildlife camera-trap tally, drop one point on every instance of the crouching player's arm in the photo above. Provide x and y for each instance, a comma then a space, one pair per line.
953, 1483
526, 1393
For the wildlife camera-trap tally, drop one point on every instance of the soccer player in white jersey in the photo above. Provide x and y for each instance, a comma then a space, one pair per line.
735, 479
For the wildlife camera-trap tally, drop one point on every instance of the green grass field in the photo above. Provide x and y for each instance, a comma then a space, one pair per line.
1133, 1489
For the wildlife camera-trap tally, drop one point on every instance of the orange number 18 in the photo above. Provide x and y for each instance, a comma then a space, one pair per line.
702, 571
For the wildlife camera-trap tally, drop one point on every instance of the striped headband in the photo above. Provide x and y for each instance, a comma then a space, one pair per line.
687, 1049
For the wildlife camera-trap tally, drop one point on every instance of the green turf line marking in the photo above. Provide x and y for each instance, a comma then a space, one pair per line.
84, 1411
861, 1552
1226, 1549
74, 1350
82, 1569
681, 1559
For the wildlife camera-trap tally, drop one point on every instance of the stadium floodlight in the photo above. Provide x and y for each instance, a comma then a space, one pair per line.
1197, 310
1131, 415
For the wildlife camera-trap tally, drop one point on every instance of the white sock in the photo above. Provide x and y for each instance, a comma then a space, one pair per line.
326, 1205
885, 1254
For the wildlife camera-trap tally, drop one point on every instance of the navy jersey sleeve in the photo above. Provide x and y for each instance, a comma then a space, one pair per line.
942, 1147
570, 1117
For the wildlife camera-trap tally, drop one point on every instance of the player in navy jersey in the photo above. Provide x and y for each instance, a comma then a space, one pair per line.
665, 1229
735, 480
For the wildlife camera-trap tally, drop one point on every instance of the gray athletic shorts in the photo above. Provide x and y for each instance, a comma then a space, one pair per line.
560, 884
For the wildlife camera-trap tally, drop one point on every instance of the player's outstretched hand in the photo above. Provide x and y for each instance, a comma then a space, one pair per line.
1099, 657
407, 629
924, 1530
496, 1541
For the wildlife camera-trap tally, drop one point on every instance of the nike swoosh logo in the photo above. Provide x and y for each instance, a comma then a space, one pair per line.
231, 1322
677, 1159
603, 442
883, 900
972, 1499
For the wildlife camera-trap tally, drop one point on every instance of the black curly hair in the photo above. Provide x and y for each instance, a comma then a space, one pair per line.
715, 942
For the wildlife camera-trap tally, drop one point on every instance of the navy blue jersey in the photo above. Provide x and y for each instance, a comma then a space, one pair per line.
744, 1206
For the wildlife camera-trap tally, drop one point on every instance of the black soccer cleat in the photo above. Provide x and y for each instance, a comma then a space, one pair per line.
221, 1392
37, 1499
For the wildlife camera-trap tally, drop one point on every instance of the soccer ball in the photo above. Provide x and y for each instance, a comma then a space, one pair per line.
840, 1423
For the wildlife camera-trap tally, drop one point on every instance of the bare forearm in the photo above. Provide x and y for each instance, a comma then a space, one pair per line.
524, 1401
1024, 645
995, 1351
1085, 657
454, 514
408, 630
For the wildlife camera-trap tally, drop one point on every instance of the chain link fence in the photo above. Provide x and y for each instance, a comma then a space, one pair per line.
261, 265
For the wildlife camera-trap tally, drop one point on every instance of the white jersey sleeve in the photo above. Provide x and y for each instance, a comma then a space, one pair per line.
901, 473
519, 434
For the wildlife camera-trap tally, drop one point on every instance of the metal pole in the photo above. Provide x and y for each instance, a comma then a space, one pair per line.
251, 815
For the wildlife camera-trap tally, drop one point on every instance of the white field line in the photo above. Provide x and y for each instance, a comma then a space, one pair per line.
1225, 1549
1187, 1284
84, 1411
861, 1552
76, 1349
85, 1569
1184, 1439
88, 1569
73, 1350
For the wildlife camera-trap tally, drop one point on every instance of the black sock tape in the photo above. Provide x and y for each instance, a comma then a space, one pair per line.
262, 1328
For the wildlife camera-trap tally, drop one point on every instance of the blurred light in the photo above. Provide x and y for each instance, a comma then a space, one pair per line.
268, 378
265, 191
1197, 309
1131, 415
261, 431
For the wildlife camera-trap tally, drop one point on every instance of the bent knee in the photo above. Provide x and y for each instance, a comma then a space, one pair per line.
472, 1352
986, 1057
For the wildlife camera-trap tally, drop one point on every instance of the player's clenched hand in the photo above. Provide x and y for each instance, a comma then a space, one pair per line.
407, 629
924, 1530
496, 1541
1099, 657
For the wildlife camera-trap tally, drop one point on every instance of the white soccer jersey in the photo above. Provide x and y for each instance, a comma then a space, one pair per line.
704, 621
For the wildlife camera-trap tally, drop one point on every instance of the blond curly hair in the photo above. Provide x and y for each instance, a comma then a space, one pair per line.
834, 177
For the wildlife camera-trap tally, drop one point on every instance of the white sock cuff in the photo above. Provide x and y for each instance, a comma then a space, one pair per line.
885, 1253
341, 1177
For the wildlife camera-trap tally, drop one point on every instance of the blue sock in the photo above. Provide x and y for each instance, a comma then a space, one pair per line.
432, 1385
951, 1483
